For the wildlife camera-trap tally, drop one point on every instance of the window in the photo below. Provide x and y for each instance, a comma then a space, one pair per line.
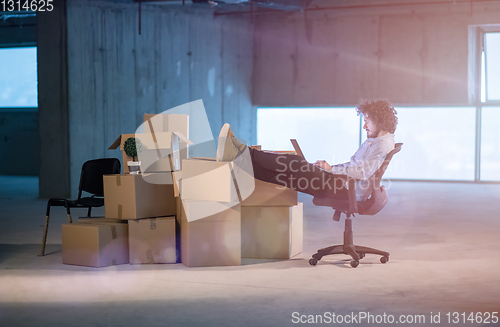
18, 78
488, 45
330, 134
441, 139
490, 144
491, 67
439, 144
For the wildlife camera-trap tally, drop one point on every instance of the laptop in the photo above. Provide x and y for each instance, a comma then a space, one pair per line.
297, 148
299, 152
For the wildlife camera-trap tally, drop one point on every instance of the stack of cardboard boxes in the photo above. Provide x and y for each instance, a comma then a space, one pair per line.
140, 224
210, 212
205, 214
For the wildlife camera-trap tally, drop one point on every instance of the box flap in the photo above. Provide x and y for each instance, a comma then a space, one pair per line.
183, 138
150, 141
120, 141
116, 143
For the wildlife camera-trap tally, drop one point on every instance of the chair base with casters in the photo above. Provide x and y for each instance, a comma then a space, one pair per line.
349, 248
376, 202
91, 181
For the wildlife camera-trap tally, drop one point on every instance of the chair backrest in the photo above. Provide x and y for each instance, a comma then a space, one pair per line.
378, 197
91, 178
377, 176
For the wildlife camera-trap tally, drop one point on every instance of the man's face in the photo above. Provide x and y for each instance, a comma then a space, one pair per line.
372, 130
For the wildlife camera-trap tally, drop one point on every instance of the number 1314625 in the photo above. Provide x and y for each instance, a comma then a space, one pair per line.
27, 5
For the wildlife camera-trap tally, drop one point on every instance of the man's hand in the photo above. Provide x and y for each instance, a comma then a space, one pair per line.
323, 164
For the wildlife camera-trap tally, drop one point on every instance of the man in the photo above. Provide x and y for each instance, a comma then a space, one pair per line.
321, 179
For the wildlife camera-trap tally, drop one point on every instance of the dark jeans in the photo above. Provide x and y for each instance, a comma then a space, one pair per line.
294, 172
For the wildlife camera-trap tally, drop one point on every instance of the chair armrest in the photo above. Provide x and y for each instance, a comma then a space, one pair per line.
353, 204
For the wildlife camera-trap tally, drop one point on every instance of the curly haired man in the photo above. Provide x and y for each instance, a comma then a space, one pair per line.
321, 178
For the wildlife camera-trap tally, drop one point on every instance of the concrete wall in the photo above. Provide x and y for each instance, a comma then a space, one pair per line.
409, 54
17, 31
116, 74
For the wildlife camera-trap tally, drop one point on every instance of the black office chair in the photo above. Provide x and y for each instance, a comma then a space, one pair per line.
373, 205
91, 181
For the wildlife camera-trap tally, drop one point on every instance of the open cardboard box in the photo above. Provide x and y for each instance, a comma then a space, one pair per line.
161, 152
205, 179
168, 123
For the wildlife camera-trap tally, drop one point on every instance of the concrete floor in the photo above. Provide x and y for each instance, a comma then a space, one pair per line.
443, 239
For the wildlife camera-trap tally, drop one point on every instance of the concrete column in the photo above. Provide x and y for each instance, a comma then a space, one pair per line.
53, 102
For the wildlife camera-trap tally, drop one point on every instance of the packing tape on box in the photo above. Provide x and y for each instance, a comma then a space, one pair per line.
149, 256
152, 224
155, 141
118, 180
113, 232
235, 182
120, 210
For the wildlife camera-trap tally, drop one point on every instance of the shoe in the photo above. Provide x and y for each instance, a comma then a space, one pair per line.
228, 146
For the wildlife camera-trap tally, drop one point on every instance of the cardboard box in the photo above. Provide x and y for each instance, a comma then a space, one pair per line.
214, 240
95, 245
269, 194
101, 220
131, 197
271, 232
169, 123
177, 178
160, 151
153, 240
205, 179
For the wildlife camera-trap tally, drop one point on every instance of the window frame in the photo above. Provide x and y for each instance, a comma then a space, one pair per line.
476, 49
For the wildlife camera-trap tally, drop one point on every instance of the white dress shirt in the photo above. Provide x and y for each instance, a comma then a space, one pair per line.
366, 161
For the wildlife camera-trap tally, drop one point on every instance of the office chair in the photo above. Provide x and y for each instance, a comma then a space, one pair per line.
349, 207
91, 181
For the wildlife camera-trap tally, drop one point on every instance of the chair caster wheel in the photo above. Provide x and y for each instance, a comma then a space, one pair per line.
354, 263
313, 261
361, 255
317, 256
384, 259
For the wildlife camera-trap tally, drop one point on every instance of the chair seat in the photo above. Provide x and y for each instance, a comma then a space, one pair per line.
342, 205
83, 202
89, 202
373, 205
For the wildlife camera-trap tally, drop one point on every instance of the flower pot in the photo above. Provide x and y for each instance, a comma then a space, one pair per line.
134, 167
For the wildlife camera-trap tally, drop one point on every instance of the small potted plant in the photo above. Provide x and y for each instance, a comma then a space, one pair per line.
132, 148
